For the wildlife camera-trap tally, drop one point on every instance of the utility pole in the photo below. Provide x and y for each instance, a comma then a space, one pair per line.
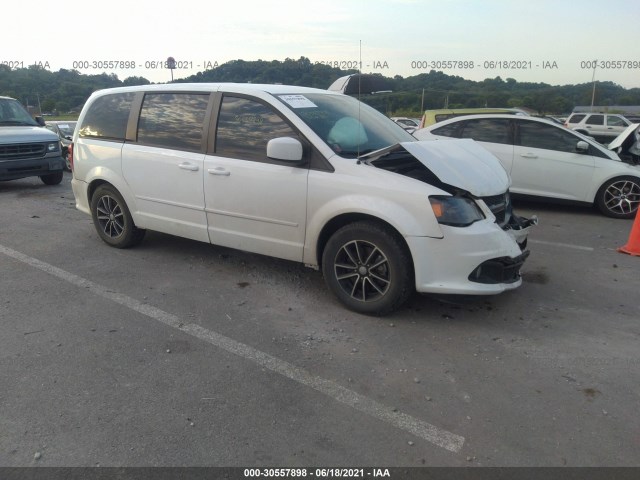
171, 64
593, 80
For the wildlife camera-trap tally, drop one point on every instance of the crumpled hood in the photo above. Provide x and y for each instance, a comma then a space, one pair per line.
462, 163
26, 134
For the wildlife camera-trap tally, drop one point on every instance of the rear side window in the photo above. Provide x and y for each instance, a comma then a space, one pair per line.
595, 120
107, 117
450, 130
173, 120
492, 130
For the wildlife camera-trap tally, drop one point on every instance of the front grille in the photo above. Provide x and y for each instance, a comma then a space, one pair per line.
500, 207
17, 151
24, 169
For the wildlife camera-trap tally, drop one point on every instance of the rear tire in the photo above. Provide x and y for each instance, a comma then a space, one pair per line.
368, 267
112, 219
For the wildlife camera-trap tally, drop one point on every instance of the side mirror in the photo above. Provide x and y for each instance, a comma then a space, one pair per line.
40, 121
582, 147
285, 149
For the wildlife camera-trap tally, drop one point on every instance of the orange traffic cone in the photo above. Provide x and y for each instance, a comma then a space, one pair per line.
633, 245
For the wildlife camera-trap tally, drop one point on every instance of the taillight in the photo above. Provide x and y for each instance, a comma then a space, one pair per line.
70, 154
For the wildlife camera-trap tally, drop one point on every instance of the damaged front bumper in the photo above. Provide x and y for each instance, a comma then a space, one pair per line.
518, 228
484, 258
481, 259
499, 270
503, 270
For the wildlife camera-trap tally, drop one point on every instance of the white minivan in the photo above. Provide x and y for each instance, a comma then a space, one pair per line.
301, 174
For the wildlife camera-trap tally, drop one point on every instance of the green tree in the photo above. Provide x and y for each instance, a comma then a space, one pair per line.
132, 81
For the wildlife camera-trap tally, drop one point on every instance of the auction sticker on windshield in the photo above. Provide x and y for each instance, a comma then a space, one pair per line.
297, 101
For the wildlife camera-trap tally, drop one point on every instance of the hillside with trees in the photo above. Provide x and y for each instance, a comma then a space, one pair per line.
67, 90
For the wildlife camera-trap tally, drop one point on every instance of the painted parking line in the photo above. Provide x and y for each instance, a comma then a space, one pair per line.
435, 435
564, 245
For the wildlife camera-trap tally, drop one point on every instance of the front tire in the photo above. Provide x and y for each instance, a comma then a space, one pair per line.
52, 178
619, 197
112, 218
368, 267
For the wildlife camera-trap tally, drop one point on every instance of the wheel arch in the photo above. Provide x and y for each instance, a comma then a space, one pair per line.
597, 197
336, 223
126, 194
111, 218
93, 186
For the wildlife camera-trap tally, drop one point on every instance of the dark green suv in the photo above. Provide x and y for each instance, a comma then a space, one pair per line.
26, 148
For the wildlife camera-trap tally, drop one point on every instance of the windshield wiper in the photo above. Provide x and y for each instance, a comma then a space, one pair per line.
388, 156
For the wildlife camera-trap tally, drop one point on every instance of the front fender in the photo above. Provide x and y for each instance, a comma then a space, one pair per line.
631, 171
409, 219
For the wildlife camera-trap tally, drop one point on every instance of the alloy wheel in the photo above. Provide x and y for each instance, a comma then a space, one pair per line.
622, 197
362, 271
110, 216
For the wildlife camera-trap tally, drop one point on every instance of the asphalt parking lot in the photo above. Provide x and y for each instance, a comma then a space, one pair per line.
179, 353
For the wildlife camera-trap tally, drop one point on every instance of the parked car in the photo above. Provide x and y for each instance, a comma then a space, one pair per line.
430, 117
27, 149
64, 130
546, 160
409, 124
627, 145
551, 119
302, 174
362, 83
603, 127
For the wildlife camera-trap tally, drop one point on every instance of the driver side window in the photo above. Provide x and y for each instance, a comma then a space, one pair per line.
547, 137
245, 127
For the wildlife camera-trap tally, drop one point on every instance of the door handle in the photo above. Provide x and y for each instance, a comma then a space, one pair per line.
529, 155
188, 166
219, 171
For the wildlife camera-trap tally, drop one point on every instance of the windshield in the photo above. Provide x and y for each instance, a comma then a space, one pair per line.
12, 113
351, 128
66, 129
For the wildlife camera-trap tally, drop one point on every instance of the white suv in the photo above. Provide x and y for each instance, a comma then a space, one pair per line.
302, 174
601, 126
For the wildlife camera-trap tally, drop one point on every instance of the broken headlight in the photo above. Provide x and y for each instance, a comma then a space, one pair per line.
455, 211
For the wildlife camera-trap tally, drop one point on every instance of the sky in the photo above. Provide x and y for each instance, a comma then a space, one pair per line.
557, 42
